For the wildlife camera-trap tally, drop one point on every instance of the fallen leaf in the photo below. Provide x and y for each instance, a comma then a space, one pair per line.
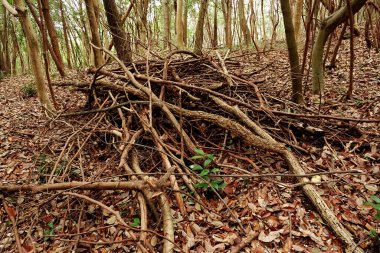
271, 236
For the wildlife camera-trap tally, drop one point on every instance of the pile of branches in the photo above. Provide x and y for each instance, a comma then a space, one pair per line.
164, 116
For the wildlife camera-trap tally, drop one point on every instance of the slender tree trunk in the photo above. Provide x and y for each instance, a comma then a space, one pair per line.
52, 34
179, 24
6, 54
122, 46
65, 34
263, 26
94, 27
297, 96
215, 26
328, 26
166, 23
243, 24
186, 12
199, 28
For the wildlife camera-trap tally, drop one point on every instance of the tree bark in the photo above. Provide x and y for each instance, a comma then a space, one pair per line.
215, 26
293, 53
199, 28
166, 23
328, 26
122, 46
185, 23
297, 19
179, 24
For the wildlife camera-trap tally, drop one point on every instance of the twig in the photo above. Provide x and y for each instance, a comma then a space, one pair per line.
14, 225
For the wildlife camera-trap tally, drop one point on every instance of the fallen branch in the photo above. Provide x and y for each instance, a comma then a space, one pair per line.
126, 185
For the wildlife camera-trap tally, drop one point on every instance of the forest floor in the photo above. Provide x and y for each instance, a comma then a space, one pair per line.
35, 148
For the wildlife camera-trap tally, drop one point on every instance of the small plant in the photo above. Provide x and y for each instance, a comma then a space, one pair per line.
376, 206
136, 222
29, 90
204, 170
1, 75
49, 231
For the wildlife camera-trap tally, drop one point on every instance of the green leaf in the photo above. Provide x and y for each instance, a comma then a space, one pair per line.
214, 184
197, 157
136, 222
377, 216
214, 170
206, 178
376, 199
372, 233
199, 151
196, 167
204, 172
218, 184
210, 156
206, 162
376, 206
201, 185
51, 225
222, 185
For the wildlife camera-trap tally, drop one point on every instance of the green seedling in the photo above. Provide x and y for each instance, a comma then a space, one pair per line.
203, 169
49, 231
136, 222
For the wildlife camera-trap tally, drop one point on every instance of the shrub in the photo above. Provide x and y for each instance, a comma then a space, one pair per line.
29, 90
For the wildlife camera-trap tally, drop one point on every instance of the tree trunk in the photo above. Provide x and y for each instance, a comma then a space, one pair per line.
94, 27
122, 46
328, 26
5, 52
297, 19
52, 34
293, 53
179, 24
34, 56
215, 26
166, 22
199, 29
65, 34
263, 26
243, 23
186, 13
